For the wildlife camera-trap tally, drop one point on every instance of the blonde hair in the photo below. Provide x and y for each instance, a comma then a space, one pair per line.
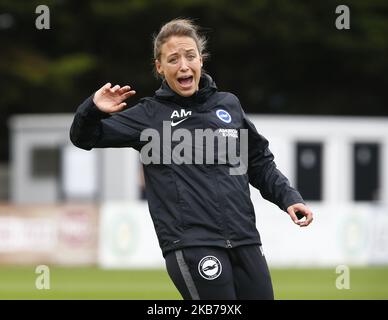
179, 27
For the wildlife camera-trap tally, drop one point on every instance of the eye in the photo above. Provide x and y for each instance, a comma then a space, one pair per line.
173, 60
191, 56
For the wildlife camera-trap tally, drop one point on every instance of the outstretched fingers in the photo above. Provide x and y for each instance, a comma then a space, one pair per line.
124, 92
115, 88
106, 88
124, 89
128, 94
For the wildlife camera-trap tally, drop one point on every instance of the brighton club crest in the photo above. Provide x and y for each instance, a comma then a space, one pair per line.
209, 267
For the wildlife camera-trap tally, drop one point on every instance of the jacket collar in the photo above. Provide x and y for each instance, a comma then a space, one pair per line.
206, 88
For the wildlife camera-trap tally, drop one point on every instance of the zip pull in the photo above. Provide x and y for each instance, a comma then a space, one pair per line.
228, 244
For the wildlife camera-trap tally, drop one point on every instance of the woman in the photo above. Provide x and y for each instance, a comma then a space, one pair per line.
203, 214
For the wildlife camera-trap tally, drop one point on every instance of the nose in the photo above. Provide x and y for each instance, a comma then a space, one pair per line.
184, 65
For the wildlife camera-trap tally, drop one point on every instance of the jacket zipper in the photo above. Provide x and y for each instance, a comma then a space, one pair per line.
219, 202
223, 218
228, 243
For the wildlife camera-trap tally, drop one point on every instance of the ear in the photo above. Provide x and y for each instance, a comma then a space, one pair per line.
200, 59
159, 68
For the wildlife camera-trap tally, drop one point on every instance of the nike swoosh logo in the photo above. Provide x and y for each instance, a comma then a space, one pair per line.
173, 124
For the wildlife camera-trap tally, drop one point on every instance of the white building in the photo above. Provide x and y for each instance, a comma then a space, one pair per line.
47, 168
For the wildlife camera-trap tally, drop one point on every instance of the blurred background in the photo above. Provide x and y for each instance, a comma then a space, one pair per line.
318, 93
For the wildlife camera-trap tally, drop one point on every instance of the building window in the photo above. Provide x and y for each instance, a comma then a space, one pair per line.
366, 171
309, 170
45, 162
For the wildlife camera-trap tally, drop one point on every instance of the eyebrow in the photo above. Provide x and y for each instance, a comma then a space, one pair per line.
175, 53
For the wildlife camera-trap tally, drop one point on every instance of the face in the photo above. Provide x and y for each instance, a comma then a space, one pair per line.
180, 64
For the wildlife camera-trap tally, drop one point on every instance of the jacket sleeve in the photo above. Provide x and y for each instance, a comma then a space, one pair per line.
263, 173
92, 128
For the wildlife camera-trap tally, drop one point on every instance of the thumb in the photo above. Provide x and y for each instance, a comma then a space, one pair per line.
120, 106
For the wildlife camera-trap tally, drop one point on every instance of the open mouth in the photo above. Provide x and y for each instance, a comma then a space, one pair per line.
185, 81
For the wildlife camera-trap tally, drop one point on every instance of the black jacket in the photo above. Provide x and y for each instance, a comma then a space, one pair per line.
192, 204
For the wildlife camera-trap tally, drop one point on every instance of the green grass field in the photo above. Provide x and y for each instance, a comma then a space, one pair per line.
94, 283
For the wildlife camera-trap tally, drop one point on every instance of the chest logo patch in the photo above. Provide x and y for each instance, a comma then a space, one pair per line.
177, 118
224, 116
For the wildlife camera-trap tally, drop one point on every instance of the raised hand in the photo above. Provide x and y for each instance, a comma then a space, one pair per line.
110, 100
